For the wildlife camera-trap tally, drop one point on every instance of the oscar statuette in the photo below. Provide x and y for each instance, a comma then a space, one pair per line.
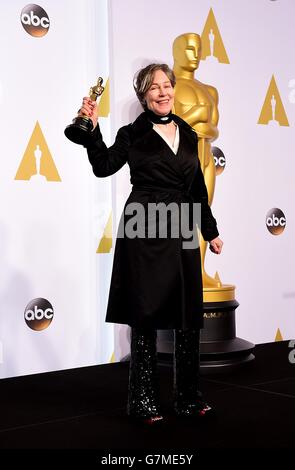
197, 104
81, 127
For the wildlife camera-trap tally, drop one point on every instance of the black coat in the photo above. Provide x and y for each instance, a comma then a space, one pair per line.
155, 282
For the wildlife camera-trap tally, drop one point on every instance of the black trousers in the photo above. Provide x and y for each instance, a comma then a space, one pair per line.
143, 393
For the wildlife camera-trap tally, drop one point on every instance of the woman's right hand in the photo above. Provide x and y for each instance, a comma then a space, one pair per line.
89, 108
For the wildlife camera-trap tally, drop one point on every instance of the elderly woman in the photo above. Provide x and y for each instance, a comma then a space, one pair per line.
156, 280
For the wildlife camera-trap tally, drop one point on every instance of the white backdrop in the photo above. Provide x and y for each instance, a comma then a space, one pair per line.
50, 230
51, 227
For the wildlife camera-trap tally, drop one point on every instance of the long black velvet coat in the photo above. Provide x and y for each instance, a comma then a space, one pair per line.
155, 282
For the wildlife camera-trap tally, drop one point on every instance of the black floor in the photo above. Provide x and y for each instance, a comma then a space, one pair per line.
85, 409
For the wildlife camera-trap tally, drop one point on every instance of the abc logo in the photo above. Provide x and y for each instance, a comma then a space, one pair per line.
35, 20
275, 221
219, 160
39, 314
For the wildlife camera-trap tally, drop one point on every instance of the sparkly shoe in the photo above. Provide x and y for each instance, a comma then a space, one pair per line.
198, 409
153, 420
150, 421
203, 409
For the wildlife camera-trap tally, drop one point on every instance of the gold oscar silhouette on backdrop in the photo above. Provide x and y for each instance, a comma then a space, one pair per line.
197, 104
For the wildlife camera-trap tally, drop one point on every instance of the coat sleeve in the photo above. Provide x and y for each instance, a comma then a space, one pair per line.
107, 161
200, 195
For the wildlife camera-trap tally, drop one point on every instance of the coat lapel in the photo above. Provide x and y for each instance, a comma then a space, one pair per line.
185, 162
187, 155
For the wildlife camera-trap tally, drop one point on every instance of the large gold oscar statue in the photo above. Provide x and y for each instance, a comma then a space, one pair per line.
197, 104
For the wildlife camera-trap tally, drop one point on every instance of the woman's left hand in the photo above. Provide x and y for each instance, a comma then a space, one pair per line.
216, 245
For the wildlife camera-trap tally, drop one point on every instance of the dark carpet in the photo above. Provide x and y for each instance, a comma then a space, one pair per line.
84, 409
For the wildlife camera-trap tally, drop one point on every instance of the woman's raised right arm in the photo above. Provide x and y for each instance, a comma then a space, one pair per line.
105, 161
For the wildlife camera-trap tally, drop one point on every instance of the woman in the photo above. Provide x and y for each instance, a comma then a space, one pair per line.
156, 280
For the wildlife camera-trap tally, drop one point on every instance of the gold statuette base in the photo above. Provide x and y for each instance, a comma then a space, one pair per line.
224, 293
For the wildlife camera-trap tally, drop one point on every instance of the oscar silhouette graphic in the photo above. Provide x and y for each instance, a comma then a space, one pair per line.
38, 156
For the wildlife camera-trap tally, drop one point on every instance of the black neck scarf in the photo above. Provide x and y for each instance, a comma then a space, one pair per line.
156, 119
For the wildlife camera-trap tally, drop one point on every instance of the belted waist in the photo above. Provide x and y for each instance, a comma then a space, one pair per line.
152, 188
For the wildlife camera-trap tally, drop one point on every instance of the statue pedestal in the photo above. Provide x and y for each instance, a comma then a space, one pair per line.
220, 349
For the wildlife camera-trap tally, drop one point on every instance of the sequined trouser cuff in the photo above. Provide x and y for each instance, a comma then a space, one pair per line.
143, 380
186, 371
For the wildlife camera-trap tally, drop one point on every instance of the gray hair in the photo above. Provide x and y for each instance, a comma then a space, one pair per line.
144, 78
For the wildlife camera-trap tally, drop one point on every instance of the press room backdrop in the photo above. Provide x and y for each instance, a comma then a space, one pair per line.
53, 213
57, 219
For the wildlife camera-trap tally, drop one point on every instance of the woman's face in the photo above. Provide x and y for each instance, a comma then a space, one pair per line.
160, 96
